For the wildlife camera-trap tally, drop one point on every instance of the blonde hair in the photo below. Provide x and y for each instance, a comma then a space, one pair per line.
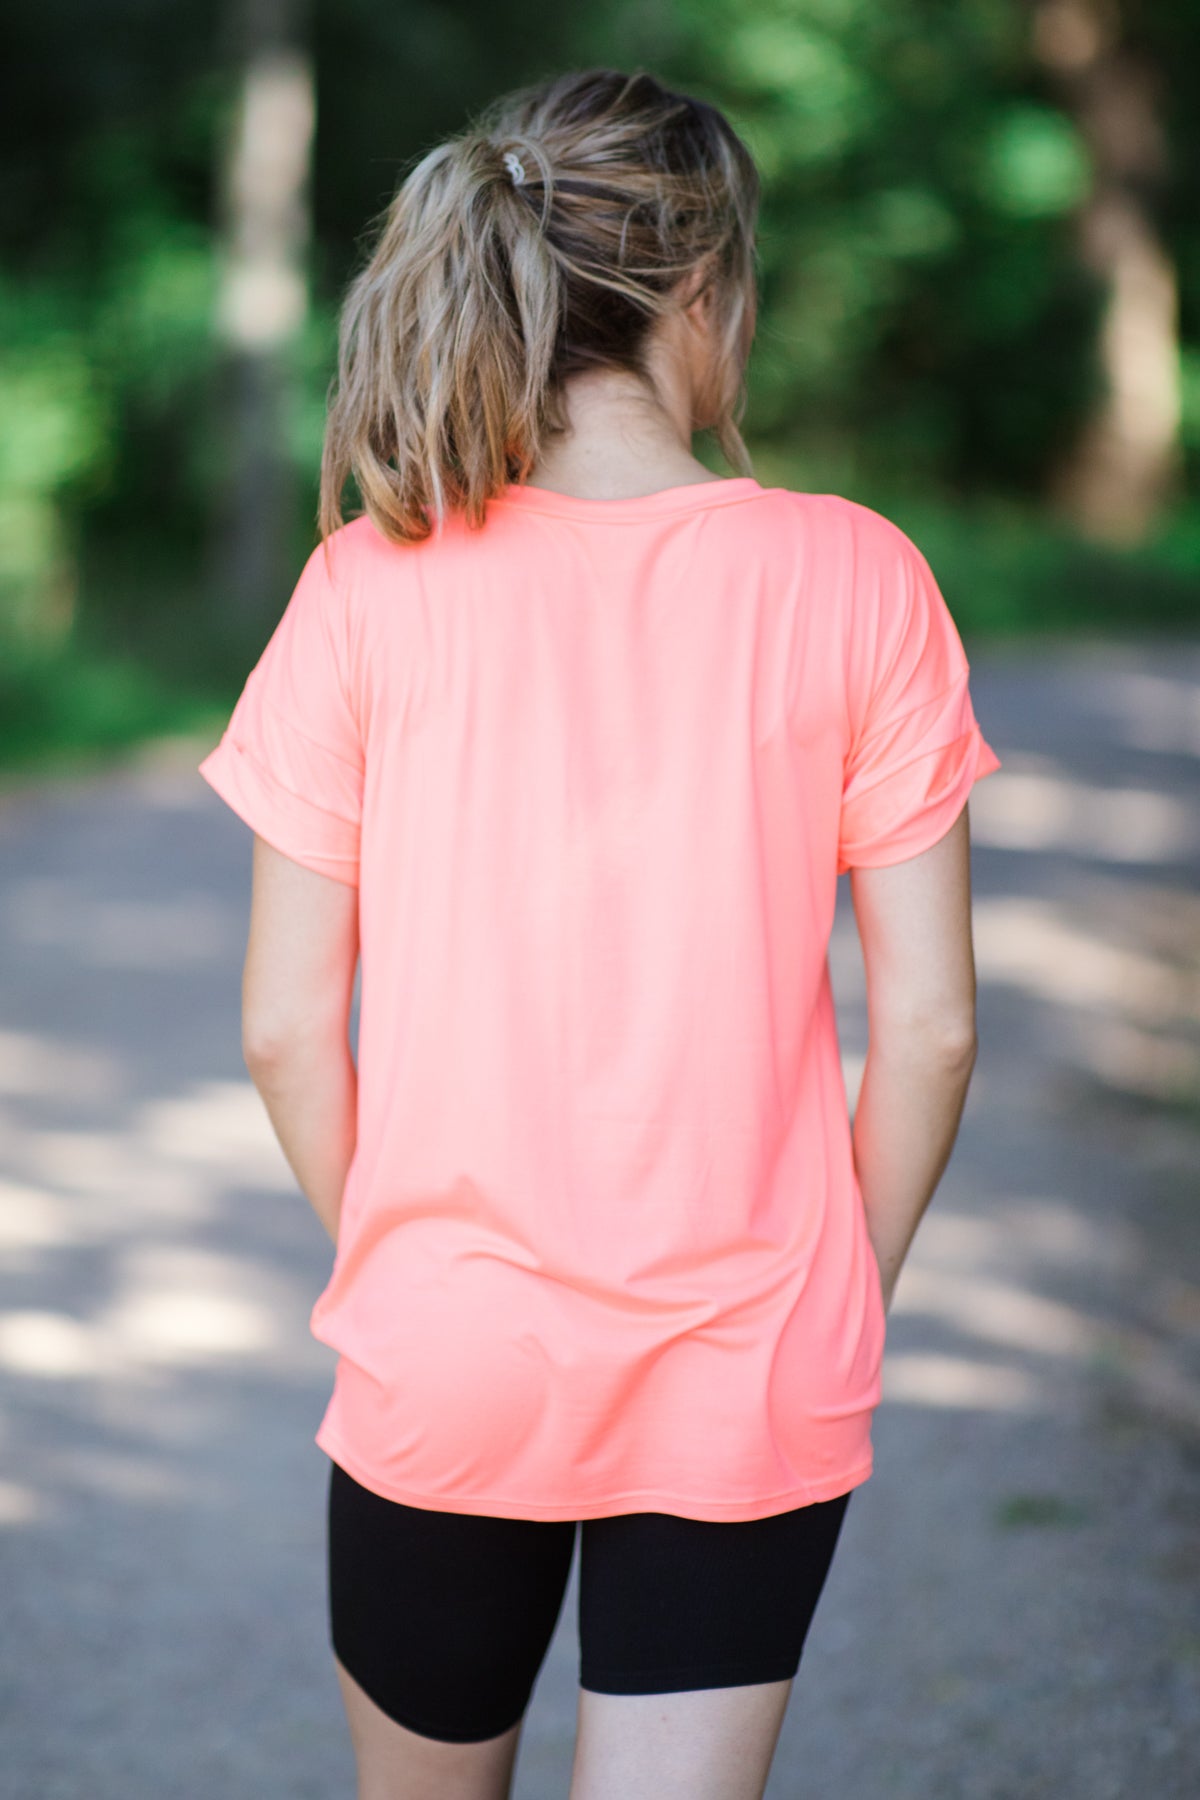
542, 241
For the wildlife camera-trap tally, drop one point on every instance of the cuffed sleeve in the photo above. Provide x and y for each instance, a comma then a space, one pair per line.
290, 761
917, 748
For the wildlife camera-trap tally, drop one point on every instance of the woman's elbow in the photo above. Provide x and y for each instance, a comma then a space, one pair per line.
944, 1036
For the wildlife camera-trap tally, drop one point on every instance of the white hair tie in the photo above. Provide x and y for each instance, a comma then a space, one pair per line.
515, 167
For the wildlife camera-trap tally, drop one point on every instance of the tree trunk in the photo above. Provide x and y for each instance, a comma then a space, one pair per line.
1125, 465
264, 231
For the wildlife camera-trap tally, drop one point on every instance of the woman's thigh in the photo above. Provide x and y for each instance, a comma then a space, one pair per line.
395, 1763
691, 1634
441, 1619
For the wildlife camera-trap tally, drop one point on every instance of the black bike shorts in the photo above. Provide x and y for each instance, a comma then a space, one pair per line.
444, 1618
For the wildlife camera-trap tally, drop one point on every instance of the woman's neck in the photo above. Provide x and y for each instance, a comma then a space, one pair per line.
623, 440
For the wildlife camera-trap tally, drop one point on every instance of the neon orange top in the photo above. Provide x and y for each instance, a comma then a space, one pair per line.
595, 769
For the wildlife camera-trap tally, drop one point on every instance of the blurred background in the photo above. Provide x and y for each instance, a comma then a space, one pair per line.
980, 269
980, 260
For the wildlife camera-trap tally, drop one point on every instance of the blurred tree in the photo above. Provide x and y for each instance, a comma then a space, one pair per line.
106, 295
173, 261
1125, 464
925, 319
262, 300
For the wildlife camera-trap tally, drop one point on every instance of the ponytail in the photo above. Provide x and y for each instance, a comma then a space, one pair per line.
542, 241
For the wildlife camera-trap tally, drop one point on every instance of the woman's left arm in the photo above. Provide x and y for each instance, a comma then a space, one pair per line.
297, 990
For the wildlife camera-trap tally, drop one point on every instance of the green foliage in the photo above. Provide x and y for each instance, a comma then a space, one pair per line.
54, 430
927, 328
923, 304
1033, 164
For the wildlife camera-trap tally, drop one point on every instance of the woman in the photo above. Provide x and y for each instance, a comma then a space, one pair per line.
572, 739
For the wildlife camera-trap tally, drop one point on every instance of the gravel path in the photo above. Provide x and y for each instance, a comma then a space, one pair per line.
1014, 1608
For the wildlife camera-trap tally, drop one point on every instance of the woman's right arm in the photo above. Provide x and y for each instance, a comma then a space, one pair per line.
914, 923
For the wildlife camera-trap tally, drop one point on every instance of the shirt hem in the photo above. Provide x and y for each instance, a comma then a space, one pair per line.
632, 1500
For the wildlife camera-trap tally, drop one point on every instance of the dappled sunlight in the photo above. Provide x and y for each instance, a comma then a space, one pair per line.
924, 1378
1158, 712
1150, 1361
151, 1324
138, 1194
1155, 1065
19, 1505
1039, 807
1042, 1230
981, 1279
114, 1185
220, 1125
165, 1165
997, 1312
33, 1064
975, 1277
177, 1326
32, 1219
1035, 944
51, 1345
169, 934
177, 1304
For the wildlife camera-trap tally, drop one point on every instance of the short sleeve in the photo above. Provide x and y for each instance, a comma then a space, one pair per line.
915, 747
290, 762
